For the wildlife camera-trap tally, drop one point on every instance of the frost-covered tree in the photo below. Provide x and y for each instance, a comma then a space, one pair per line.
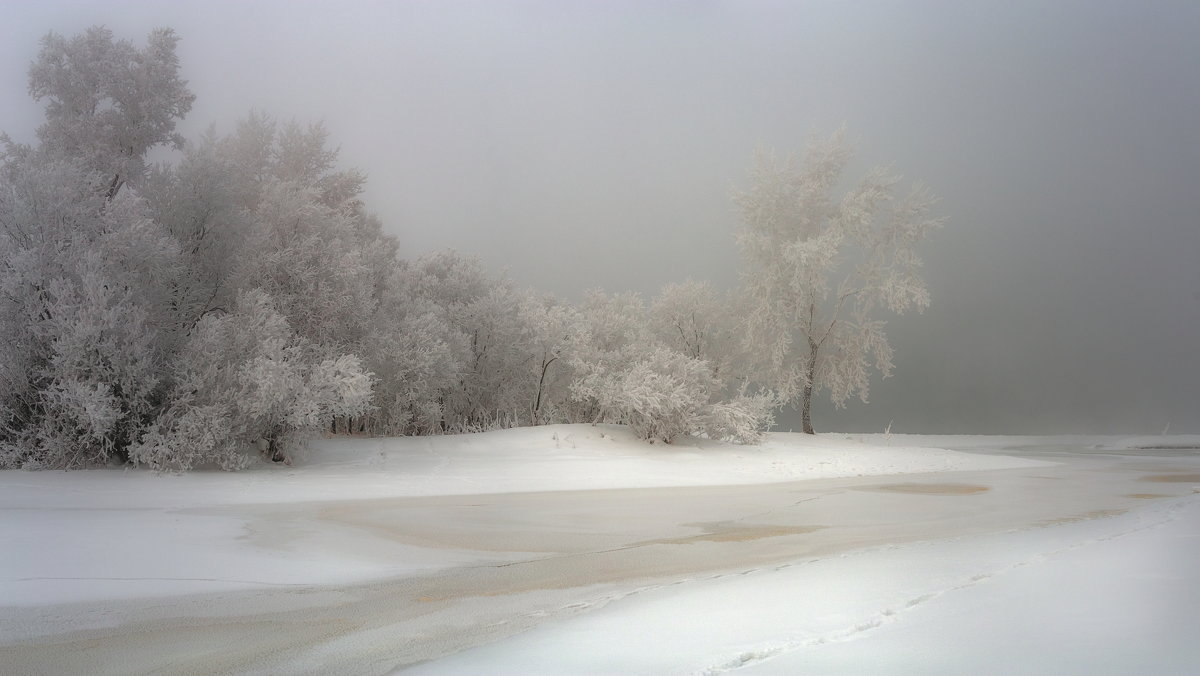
456, 348
245, 381
108, 102
84, 313
696, 320
495, 389
612, 334
309, 258
208, 210
243, 298
266, 208
414, 354
88, 276
497, 340
137, 305
818, 270
553, 335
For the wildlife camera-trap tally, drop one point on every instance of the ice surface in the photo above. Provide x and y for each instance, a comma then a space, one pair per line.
84, 535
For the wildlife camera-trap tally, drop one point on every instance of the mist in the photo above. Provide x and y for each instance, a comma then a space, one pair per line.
582, 145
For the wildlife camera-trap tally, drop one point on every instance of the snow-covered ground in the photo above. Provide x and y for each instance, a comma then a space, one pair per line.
1105, 596
576, 548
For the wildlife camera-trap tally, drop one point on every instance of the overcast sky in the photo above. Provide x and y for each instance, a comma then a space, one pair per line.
596, 144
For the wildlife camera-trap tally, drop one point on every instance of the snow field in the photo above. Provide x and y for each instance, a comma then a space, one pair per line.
1114, 596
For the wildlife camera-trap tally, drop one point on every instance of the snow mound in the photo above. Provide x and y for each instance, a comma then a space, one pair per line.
548, 458
581, 457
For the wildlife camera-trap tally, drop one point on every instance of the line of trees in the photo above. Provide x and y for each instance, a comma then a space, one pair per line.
243, 298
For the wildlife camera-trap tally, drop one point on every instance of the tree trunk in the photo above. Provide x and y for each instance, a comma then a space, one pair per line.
113, 188
806, 408
274, 451
806, 401
537, 405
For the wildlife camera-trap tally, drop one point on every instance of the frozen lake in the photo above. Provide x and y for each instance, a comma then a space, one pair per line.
577, 549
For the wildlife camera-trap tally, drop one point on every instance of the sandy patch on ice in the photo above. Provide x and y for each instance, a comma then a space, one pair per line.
734, 532
930, 489
1086, 516
1173, 478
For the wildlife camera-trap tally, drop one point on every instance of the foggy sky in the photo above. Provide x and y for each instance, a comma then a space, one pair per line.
596, 144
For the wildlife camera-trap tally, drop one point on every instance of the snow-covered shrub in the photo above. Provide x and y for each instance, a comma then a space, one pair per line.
244, 380
743, 419
644, 372
659, 395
